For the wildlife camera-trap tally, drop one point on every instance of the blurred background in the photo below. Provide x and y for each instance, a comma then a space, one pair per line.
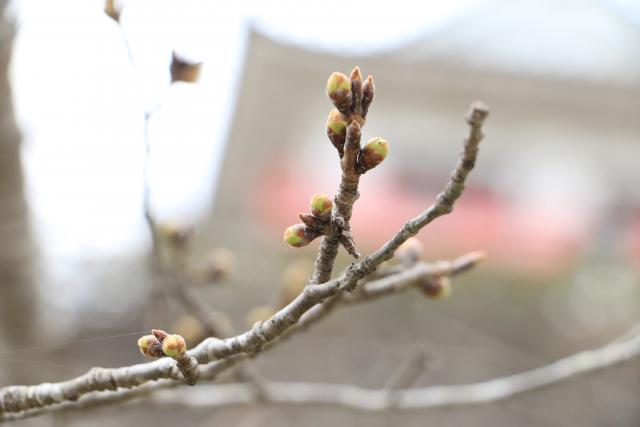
211, 117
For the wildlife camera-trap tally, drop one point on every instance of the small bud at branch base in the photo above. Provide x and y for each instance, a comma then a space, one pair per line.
299, 235
373, 153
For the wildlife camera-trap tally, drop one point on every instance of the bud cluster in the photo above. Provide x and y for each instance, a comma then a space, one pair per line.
160, 344
352, 98
313, 225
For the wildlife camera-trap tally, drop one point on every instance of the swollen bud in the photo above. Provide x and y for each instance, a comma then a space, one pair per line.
436, 287
321, 205
373, 153
339, 91
299, 235
336, 129
150, 346
174, 346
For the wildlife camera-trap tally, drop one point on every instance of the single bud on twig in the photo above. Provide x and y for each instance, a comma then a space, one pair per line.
150, 346
410, 251
337, 130
436, 287
174, 346
321, 205
339, 91
372, 154
368, 92
183, 70
259, 314
299, 235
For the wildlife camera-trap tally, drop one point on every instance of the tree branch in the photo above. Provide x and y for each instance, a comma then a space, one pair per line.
21, 398
621, 350
353, 397
377, 289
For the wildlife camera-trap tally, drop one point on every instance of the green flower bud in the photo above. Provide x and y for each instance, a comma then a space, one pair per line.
336, 129
373, 153
174, 346
339, 91
299, 235
150, 346
337, 82
321, 205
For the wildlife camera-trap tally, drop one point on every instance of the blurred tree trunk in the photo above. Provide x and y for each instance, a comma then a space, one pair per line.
17, 250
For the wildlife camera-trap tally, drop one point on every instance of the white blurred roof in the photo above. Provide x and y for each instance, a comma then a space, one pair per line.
593, 40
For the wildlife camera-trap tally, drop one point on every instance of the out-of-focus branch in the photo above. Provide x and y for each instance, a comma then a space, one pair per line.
364, 399
621, 350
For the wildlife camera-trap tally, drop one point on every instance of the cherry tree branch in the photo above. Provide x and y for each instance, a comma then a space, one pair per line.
376, 289
20, 398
